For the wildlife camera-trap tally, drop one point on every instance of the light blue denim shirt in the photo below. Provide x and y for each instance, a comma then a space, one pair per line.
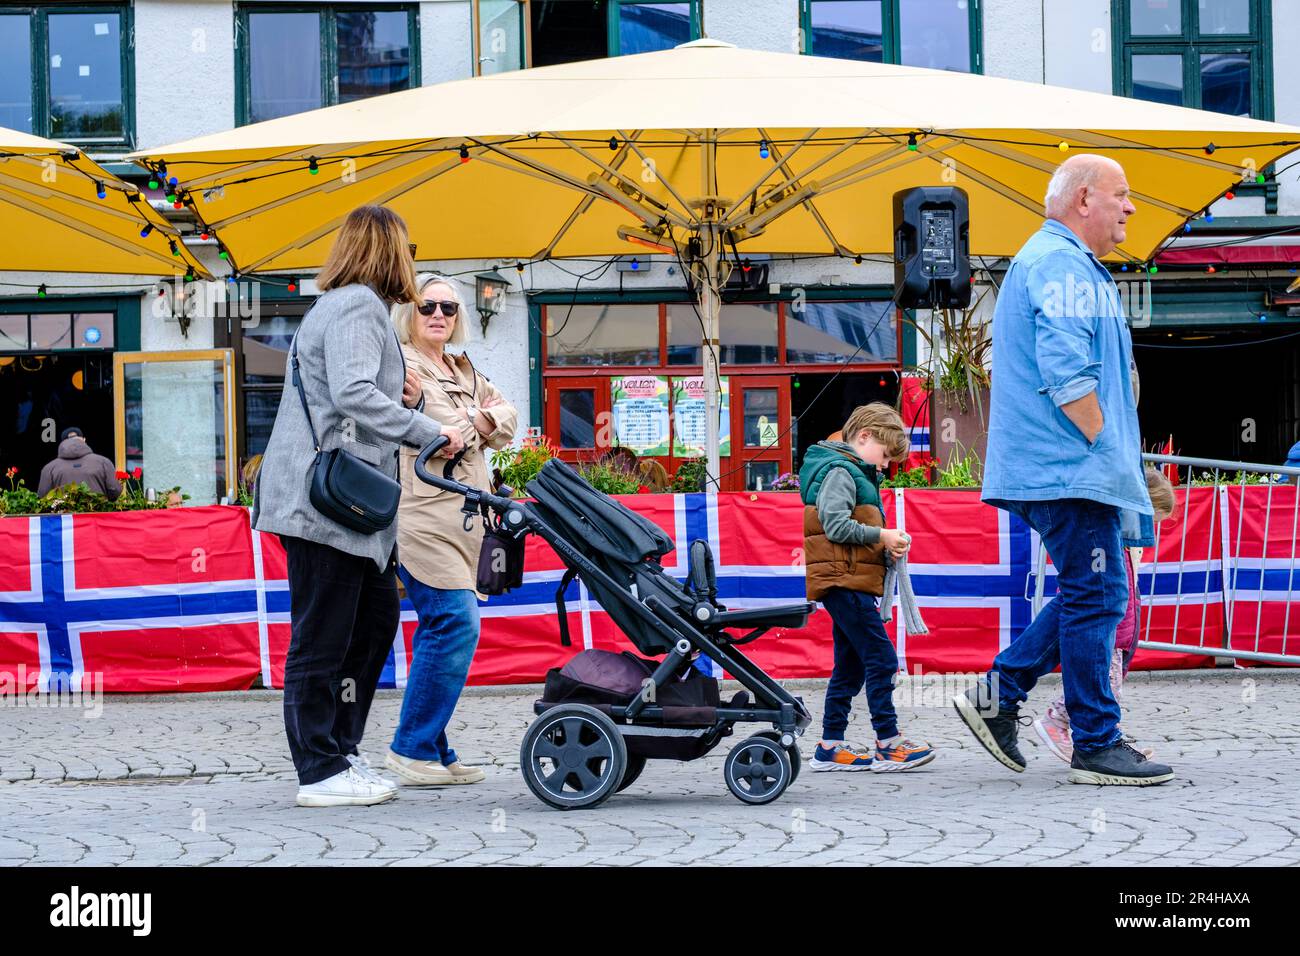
1059, 332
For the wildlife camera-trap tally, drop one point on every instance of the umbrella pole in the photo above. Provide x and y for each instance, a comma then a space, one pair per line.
710, 307
710, 241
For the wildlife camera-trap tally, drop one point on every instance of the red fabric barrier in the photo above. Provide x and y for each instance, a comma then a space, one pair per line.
131, 601
190, 599
1262, 525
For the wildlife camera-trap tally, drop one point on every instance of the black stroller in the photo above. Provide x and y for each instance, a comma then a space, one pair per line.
592, 739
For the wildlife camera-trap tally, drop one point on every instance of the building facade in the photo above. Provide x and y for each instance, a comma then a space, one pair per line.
187, 386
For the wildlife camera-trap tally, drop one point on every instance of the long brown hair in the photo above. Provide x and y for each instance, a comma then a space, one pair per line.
372, 248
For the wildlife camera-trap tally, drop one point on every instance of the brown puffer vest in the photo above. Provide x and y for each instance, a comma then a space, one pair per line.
857, 567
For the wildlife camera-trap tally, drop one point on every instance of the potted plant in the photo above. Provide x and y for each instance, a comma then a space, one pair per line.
956, 377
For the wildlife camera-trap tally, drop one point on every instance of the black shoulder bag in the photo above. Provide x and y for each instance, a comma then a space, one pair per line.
344, 488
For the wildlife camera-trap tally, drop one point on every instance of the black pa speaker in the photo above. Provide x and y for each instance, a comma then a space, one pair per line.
932, 248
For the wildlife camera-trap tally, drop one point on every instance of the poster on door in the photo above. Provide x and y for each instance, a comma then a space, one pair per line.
689, 439
639, 404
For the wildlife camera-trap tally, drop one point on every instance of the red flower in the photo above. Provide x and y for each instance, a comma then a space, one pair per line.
138, 473
121, 475
642, 490
12, 471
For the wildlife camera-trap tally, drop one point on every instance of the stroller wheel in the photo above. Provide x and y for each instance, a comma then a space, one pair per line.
758, 770
573, 756
796, 758
635, 764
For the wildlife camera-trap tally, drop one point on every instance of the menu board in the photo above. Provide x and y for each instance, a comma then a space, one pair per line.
689, 440
640, 409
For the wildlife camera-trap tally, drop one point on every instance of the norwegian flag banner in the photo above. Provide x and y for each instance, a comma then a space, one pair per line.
914, 402
193, 599
1179, 581
1260, 529
146, 601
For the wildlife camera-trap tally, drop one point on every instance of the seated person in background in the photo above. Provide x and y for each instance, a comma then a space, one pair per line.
621, 458
653, 475
76, 464
1292, 461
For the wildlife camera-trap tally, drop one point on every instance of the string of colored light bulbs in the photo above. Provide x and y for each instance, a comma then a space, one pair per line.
313, 163
131, 192
181, 197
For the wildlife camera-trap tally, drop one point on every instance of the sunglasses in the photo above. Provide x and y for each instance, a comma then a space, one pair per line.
429, 307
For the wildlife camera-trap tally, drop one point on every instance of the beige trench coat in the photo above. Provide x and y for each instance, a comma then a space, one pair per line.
432, 543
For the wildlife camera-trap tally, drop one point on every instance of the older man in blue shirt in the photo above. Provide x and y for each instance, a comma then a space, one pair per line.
1064, 454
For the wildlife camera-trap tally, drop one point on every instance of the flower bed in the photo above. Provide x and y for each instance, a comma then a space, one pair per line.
18, 499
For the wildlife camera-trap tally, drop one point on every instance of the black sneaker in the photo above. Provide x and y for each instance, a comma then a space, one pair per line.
998, 734
1118, 766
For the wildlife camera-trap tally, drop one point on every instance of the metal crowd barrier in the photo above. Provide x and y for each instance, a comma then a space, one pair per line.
1231, 580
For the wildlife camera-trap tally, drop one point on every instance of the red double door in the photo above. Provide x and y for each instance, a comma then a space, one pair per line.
578, 422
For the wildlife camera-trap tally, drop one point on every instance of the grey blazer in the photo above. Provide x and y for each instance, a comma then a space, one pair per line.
352, 370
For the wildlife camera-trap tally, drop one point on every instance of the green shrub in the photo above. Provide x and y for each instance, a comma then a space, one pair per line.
918, 477
691, 475
518, 466
1241, 477
611, 481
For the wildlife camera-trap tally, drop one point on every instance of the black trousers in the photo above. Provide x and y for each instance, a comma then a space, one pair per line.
344, 615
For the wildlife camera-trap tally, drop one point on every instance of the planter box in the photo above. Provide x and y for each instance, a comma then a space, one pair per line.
958, 426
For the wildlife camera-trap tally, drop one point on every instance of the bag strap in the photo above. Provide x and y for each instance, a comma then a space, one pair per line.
302, 393
561, 609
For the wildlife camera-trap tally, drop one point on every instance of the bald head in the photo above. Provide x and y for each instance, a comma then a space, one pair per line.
1090, 195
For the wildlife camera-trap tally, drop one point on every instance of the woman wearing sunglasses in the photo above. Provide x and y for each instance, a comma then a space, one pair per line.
438, 557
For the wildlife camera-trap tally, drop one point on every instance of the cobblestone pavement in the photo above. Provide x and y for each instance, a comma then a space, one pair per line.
206, 779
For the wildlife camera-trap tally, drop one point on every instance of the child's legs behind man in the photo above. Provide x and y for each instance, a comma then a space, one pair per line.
864, 654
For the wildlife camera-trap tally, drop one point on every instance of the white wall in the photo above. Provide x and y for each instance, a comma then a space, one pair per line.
1076, 44
755, 24
446, 41
1013, 39
184, 69
1286, 94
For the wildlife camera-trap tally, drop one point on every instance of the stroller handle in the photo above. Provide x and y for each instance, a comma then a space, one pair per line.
510, 510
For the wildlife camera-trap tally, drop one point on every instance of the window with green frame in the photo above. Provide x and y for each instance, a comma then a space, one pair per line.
1207, 54
292, 58
936, 34
564, 31
68, 72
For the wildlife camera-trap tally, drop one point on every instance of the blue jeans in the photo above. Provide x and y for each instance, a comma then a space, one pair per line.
1077, 628
864, 654
443, 647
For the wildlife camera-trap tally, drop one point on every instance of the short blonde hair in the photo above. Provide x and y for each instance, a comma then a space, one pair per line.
404, 313
372, 248
1161, 491
883, 424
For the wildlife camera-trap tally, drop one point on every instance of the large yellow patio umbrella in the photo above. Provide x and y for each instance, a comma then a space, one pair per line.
697, 150
52, 218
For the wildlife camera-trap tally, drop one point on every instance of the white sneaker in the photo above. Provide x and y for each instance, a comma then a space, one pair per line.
361, 764
347, 789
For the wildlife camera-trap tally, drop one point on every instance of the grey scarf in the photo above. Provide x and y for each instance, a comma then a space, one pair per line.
896, 574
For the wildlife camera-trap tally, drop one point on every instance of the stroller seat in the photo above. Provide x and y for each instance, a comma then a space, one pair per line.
702, 584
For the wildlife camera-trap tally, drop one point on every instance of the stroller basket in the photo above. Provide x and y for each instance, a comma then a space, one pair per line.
592, 739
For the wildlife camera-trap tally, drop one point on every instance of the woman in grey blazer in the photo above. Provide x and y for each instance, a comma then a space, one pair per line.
342, 586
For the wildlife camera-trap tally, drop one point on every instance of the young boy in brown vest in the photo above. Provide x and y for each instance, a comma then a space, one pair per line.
845, 541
